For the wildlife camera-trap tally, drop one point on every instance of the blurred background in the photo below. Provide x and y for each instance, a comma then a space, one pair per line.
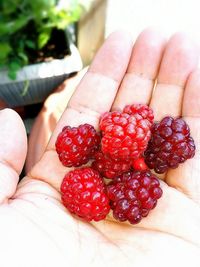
168, 16
46, 46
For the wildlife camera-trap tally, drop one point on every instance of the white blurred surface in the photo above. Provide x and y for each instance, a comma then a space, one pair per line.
168, 16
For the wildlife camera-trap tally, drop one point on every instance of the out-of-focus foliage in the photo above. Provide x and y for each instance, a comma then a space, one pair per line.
28, 24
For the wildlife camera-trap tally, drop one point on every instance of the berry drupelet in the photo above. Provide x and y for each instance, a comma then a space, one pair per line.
108, 167
143, 110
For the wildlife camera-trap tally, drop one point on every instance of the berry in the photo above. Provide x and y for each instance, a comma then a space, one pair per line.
139, 164
108, 167
133, 194
125, 136
170, 144
83, 194
143, 110
76, 145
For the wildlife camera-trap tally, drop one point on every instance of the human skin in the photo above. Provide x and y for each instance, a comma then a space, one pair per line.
36, 230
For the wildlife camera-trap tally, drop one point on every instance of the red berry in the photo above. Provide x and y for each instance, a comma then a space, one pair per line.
76, 145
139, 164
83, 194
143, 110
170, 145
132, 195
125, 136
108, 167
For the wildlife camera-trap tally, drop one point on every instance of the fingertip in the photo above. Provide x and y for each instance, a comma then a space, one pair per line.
124, 35
180, 58
188, 44
185, 38
150, 32
11, 116
10, 113
147, 53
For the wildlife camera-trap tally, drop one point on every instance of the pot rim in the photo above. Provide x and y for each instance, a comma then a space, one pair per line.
56, 67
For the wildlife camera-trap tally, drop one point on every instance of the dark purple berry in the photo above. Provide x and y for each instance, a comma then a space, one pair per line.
170, 145
133, 194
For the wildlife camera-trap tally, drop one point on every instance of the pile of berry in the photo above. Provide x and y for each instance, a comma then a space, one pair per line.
128, 145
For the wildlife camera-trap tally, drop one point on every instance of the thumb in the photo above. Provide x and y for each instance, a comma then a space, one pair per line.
13, 144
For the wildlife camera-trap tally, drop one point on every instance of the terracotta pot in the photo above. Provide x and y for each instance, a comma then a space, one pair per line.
46, 121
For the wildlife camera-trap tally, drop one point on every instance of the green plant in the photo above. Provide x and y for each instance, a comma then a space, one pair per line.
28, 24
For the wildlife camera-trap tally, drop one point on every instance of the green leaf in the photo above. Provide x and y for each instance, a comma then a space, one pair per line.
43, 38
20, 45
12, 74
9, 6
14, 65
12, 26
5, 49
42, 4
24, 57
3, 63
30, 44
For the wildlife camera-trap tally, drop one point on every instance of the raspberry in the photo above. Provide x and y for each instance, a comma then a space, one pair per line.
125, 136
141, 109
83, 194
139, 164
170, 145
75, 146
108, 167
133, 194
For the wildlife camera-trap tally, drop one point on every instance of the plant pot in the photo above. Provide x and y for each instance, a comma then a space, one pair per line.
35, 82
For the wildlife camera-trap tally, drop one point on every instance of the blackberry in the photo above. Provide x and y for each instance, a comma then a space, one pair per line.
170, 144
133, 194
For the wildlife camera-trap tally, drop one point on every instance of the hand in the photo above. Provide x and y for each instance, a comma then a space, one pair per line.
36, 230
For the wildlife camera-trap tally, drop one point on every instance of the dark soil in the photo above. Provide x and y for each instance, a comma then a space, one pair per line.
29, 111
56, 48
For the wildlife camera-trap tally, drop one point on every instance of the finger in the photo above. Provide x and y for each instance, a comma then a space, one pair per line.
13, 143
98, 88
138, 82
186, 177
179, 60
94, 95
46, 121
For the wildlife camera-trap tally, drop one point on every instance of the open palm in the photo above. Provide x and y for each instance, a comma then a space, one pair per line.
36, 230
